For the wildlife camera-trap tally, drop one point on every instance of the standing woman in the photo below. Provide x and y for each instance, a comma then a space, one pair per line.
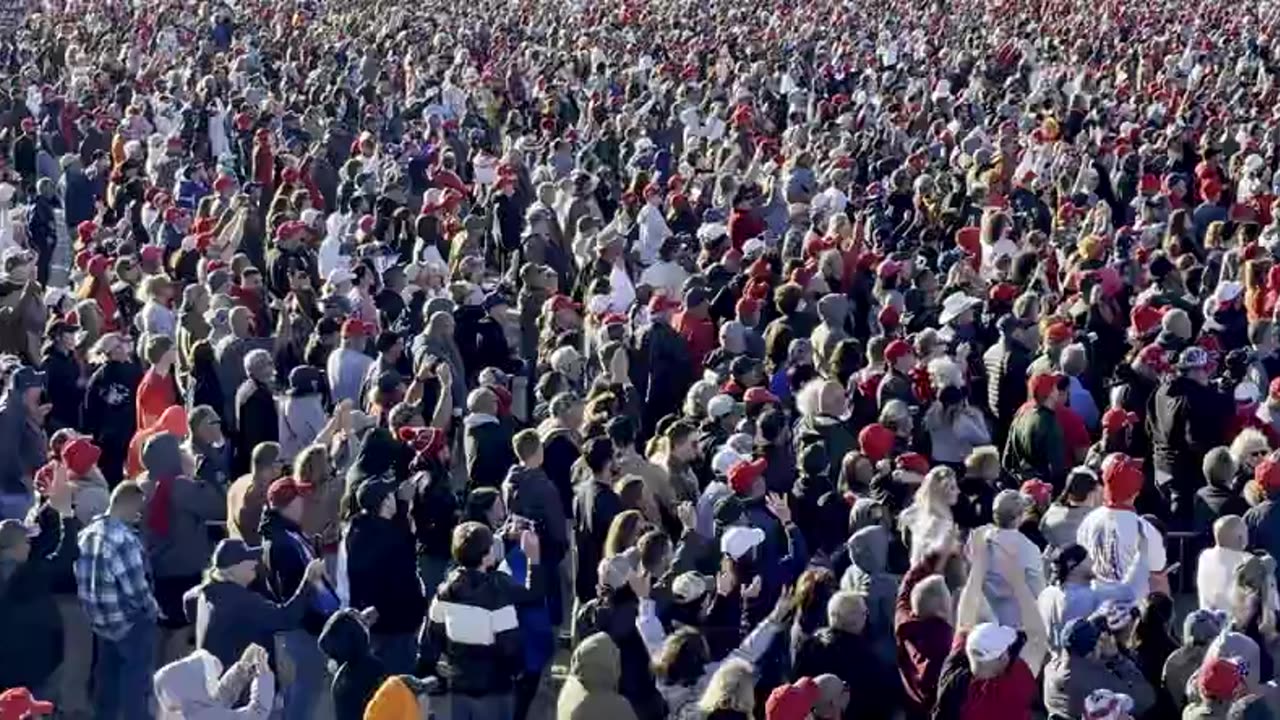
96, 286
927, 523
110, 413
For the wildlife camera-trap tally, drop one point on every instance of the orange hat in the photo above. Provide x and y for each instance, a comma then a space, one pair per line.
1058, 332
1121, 479
743, 474
875, 441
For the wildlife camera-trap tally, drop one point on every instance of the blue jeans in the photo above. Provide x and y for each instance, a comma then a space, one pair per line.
122, 688
398, 653
309, 675
14, 506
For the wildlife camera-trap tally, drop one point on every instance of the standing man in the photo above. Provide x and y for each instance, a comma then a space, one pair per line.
111, 578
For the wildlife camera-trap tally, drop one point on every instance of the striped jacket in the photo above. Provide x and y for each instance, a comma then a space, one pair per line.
473, 633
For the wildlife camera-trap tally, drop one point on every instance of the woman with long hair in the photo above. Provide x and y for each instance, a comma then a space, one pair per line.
927, 524
96, 286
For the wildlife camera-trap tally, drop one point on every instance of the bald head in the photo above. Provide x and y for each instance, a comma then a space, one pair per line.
931, 598
1229, 531
831, 400
482, 400
241, 321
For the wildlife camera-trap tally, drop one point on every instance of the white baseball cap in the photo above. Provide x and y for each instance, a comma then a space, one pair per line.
989, 641
724, 459
738, 540
720, 406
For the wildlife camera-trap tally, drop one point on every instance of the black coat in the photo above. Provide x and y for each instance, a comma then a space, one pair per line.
487, 446
1007, 363
594, 507
359, 674
382, 569
65, 393
1185, 420
662, 372
851, 658
29, 619
110, 407
286, 563
256, 421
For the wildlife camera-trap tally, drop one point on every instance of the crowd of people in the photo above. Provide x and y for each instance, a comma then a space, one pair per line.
827, 360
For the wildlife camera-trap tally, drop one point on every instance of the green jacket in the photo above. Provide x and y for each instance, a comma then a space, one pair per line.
1035, 447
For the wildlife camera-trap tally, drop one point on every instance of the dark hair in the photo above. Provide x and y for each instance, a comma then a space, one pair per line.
599, 454
683, 658
622, 431
679, 431
1062, 563
478, 504
1080, 483
770, 425
654, 547
386, 341
471, 544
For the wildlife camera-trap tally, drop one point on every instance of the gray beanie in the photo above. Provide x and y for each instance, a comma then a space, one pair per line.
1202, 626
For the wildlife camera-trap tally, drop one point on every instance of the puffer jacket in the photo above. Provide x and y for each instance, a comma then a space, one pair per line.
472, 636
183, 690
1007, 363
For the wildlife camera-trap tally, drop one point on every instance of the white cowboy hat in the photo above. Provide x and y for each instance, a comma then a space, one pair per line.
955, 305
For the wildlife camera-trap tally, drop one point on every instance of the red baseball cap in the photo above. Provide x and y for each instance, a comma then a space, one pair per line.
1040, 492
80, 455
1116, 419
792, 702
1121, 479
286, 490
875, 441
355, 328
912, 462
1040, 386
662, 303
743, 474
1267, 474
747, 306
1058, 332
896, 350
759, 395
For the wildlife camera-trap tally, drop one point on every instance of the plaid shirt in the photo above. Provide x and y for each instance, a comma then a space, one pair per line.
111, 577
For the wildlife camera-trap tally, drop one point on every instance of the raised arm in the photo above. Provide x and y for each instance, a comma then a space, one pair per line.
1037, 645
971, 596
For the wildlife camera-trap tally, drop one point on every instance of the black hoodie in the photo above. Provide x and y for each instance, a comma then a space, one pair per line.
345, 641
285, 555
382, 569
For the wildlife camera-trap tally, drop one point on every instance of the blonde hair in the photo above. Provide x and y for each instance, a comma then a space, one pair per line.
1249, 441
307, 462
929, 496
732, 687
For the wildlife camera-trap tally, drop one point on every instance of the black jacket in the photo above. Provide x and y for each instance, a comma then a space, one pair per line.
286, 556
1212, 503
662, 372
594, 507
851, 658
472, 637
29, 619
65, 393
559, 453
346, 642
434, 511
256, 421
1184, 421
530, 494
487, 446
110, 407
382, 569
1007, 363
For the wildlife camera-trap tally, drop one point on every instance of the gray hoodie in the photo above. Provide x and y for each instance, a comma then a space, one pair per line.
177, 532
196, 688
302, 420
869, 551
834, 310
